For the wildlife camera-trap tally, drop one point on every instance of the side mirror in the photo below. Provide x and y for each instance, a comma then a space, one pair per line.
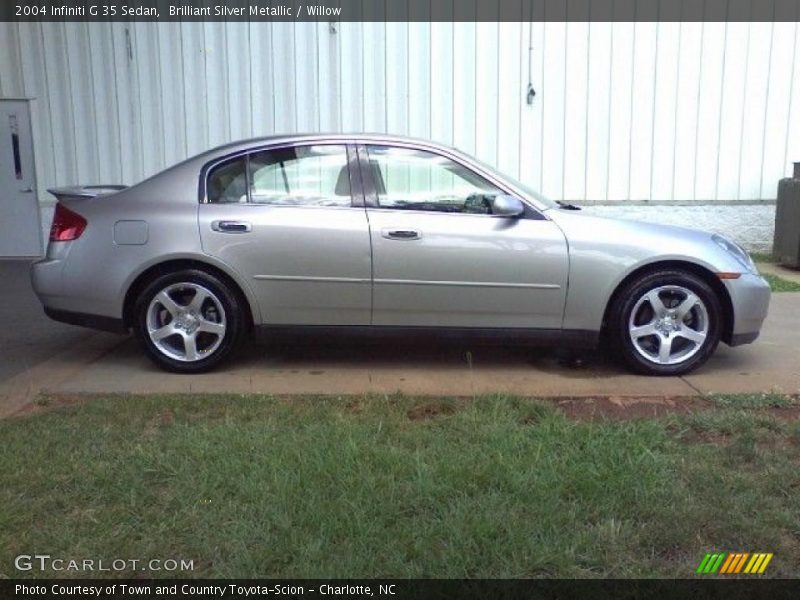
504, 205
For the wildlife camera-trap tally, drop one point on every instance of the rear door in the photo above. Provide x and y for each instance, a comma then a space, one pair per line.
441, 259
291, 221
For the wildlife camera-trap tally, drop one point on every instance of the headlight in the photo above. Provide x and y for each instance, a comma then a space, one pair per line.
735, 250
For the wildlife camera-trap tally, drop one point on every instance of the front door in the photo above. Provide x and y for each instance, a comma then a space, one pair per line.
441, 259
20, 221
285, 219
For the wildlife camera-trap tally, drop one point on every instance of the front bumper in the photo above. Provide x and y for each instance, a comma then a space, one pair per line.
750, 295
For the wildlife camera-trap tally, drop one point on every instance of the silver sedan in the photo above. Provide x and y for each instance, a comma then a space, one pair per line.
382, 235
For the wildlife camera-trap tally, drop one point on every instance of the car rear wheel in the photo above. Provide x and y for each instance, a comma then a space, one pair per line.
189, 321
666, 323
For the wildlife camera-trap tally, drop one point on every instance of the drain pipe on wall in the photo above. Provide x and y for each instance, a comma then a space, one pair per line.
531, 92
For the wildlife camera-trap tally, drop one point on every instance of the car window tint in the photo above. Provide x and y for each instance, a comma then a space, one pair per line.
300, 176
227, 183
420, 180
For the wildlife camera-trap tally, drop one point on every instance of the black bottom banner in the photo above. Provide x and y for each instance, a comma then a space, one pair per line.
596, 589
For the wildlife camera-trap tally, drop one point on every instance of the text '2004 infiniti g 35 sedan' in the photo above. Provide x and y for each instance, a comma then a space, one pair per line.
385, 234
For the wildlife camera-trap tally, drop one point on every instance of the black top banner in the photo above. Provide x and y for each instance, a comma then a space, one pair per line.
400, 10
402, 589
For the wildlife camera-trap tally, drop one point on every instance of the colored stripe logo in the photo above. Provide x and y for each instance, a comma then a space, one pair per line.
734, 563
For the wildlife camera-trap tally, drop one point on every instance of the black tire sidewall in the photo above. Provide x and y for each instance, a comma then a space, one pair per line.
634, 292
231, 305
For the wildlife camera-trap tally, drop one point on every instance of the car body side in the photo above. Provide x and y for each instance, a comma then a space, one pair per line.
602, 253
605, 253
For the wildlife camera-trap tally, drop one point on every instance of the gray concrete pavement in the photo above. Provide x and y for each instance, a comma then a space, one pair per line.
62, 359
27, 336
780, 271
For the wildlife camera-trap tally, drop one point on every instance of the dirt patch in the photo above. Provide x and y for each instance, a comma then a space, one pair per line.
164, 418
580, 408
633, 407
531, 419
48, 402
648, 407
790, 413
430, 410
355, 407
692, 437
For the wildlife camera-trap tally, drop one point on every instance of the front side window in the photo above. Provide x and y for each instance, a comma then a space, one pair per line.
298, 176
419, 180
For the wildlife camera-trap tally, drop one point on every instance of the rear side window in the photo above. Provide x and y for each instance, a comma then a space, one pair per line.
227, 183
298, 176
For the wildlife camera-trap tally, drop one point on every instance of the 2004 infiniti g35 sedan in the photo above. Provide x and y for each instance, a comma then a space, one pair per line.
387, 234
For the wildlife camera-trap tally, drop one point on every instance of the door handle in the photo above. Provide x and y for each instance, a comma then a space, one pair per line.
231, 226
401, 234
27, 191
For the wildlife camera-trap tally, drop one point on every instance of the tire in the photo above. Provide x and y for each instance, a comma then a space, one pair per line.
176, 308
666, 323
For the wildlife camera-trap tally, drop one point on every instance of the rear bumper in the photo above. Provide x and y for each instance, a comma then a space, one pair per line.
750, 296
47, 279
62, 304
83, 320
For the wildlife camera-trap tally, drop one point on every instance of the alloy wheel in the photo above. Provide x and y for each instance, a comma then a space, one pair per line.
186, 322
669, 325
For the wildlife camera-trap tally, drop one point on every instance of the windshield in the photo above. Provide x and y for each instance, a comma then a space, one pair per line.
542, 200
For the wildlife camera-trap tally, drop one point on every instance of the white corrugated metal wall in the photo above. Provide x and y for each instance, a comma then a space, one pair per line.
623, 111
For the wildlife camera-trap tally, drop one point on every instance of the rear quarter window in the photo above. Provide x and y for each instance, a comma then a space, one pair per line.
227, 182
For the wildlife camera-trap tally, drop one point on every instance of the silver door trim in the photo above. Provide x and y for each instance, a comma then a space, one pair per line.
311, 278
267, 205
484, 284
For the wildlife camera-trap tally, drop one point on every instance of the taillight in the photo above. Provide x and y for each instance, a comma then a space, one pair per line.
67, 225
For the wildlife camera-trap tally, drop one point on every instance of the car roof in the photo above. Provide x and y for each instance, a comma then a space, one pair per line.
290, 138
214, 156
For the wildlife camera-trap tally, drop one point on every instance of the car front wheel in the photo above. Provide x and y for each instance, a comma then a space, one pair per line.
667, 323
188, 321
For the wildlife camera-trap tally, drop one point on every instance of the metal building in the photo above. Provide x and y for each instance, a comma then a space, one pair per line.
667, 114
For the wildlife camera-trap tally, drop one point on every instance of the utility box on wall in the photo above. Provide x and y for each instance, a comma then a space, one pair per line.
787, 220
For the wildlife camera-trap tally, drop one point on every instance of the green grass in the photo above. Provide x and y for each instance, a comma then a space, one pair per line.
397, 487
763, 257
771, 400
779, 284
